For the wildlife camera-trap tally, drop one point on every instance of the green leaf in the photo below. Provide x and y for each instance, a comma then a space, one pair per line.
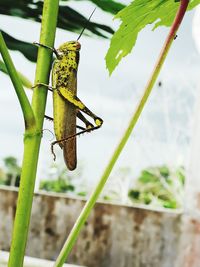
82, 194
147, 177
68, 19
28, 50
164, 171
109, 6
171, 204
25, 81
181, 175
135, 194
136, 17
72, 20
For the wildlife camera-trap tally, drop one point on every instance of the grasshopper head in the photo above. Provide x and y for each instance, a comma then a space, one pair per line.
69, 46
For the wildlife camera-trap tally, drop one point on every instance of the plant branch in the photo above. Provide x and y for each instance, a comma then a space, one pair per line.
32, 141
24, 80
28, 114
94, 196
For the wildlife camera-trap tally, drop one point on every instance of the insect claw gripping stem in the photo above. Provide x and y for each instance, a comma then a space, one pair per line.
50, 88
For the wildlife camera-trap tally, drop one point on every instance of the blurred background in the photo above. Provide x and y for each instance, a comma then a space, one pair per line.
162, 137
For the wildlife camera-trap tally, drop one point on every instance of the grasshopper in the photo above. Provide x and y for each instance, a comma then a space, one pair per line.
66, 105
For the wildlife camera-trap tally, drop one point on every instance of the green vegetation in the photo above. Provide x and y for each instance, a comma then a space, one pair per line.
59, 186
10, 172
68, 19
60, 180
134, 18
33, 113
156, 186
159, 187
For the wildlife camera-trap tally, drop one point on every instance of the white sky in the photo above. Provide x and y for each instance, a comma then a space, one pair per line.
163, 132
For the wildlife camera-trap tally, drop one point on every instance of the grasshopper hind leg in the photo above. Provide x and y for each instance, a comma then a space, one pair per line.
88, 125
88, 128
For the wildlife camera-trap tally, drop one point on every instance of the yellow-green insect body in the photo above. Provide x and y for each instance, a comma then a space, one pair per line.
66, 105
64, 79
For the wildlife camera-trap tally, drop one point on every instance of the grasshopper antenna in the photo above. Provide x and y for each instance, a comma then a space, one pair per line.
86, 24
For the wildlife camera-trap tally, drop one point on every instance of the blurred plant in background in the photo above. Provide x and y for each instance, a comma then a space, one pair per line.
159, 187
10, 172
60, 180
156, 186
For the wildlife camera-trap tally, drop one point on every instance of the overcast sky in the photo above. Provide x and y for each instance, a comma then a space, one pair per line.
162, 135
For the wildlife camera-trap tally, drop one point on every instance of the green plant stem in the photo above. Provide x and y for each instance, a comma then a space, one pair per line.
24, 80
32, 141
24, 102
94, 196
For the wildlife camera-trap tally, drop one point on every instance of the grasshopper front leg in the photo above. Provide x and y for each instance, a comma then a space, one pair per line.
50, 88
48, 47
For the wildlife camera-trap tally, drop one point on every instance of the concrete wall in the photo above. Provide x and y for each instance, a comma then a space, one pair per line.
114, 236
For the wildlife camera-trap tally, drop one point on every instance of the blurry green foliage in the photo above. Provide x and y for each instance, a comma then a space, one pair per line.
159, 186
10, 172
68, 19
82, 194
59, 186
156, 186
60, 180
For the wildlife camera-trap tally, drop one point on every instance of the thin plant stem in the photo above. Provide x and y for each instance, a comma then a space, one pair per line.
94, 196
24, 80
32, 140
28, 114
